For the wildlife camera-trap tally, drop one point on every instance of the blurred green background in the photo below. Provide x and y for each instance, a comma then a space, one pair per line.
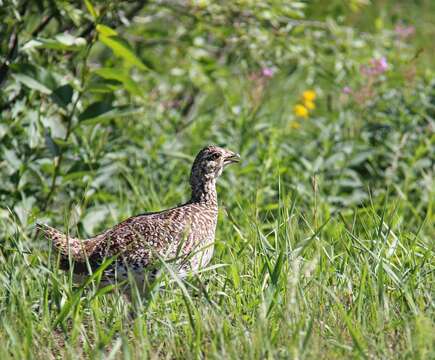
331, 106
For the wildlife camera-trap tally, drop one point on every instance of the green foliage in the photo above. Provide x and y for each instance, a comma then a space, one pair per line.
325, 243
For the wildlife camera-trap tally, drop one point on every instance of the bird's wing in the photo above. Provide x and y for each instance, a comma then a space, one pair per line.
140, 239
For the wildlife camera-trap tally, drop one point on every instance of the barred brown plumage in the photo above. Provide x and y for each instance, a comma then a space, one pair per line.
185, 233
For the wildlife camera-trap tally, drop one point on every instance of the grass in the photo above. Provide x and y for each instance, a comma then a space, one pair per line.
324, 245
293, 282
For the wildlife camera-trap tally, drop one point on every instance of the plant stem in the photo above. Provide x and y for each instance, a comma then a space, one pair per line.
69, 131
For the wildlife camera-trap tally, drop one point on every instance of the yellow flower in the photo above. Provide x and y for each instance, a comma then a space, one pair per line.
300, 110
295, 125
309, 95
309, 105
201, 3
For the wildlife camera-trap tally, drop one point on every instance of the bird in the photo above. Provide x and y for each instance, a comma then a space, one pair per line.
184, 234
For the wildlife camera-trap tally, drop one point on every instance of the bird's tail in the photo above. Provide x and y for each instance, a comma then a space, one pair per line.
78, 250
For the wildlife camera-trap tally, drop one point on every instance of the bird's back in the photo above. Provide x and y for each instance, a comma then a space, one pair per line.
141, 238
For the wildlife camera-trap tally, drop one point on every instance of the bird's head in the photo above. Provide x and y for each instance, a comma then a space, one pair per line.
210, 162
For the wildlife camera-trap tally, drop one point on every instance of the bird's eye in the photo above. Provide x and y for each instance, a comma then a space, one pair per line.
214, 156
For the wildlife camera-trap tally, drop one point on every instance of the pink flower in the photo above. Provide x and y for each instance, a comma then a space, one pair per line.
347, 90
404, 32
267, 72
376, 67
379, 65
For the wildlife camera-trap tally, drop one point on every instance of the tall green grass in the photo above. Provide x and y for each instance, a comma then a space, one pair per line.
296, 282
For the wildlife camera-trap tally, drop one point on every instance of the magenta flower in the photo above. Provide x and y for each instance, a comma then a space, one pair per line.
404, 32
376, 67
347, 90
379, 65
267, 72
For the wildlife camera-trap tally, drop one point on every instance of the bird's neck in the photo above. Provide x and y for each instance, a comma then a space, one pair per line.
204, 192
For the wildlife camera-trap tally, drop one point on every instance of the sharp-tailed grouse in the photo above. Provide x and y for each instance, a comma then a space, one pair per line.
185, 233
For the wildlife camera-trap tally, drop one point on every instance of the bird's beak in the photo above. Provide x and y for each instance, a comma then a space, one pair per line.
232, 158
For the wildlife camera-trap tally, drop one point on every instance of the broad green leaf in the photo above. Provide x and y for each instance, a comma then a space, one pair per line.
50, 144
360, 157
32, 130
32, 83
121, 49
111, 73
94, 110
74, 176
62, 95
106, 31
69, 40
102, 86
11, 157
117, 74
35, 78
64, 42
61, 143
116, 112
91, 9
